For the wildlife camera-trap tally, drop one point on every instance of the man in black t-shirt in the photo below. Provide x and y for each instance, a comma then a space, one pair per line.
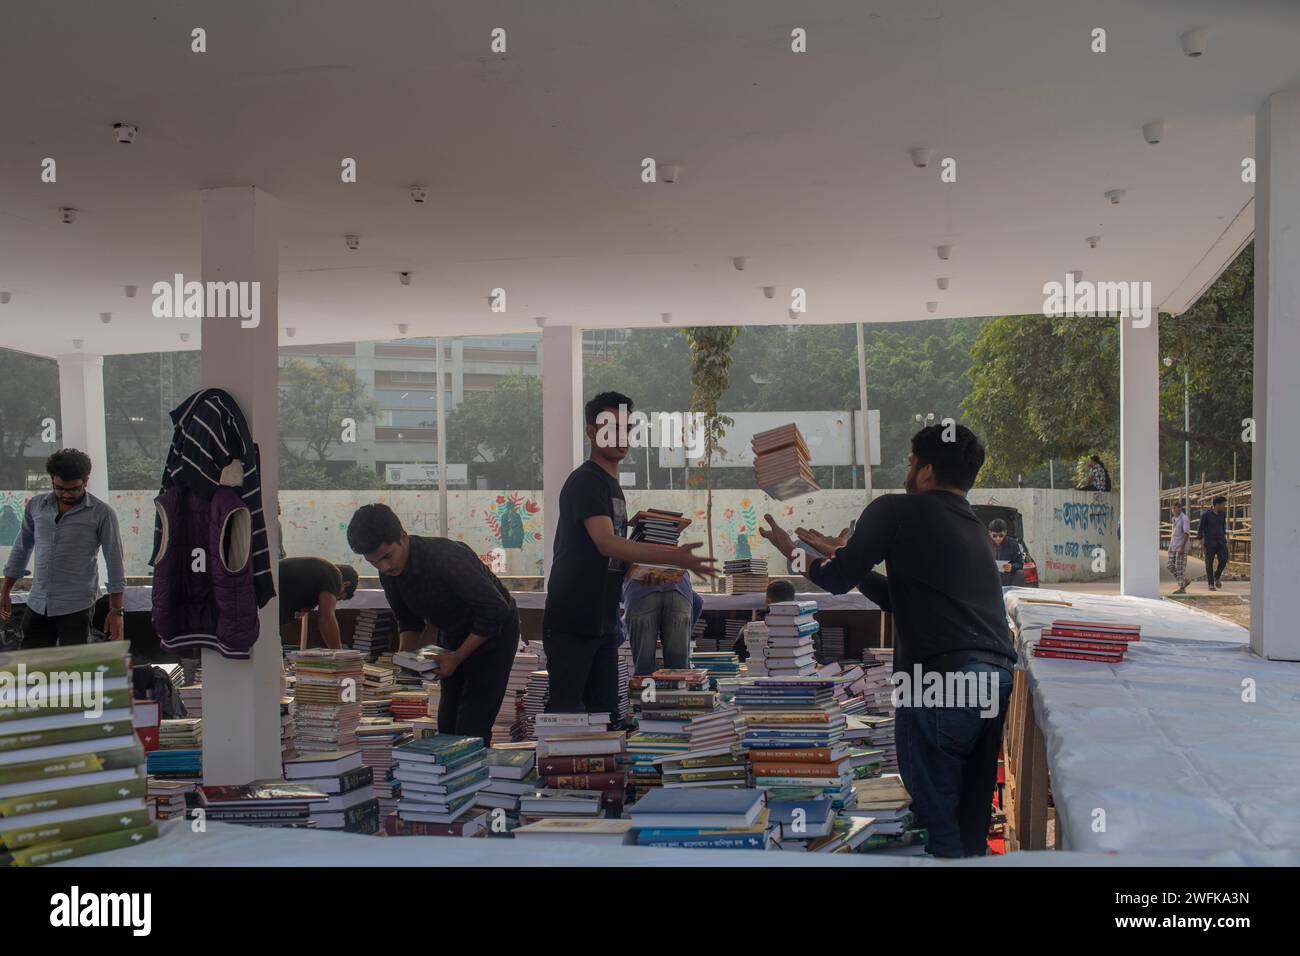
429, 580
946, 597
592, 553
310, 583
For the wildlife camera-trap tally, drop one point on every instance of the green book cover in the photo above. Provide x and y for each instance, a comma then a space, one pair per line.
88, 762
114, 698
443, 745
70, 849
46, 800
104, 657
85, 729
18, 837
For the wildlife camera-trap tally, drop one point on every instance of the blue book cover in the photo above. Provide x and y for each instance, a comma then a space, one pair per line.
701, 800
715, 841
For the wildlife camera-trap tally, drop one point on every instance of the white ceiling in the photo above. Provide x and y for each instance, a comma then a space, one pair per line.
797, 161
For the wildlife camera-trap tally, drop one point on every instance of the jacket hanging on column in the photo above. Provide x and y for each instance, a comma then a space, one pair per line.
211, 559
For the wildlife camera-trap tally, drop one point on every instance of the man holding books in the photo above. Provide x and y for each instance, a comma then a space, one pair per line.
946, 598
580, 628
437, 581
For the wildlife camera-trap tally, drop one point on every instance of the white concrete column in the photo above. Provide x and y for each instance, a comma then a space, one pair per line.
241, 699
1139, 456
561, 421
81, 408
1275, 459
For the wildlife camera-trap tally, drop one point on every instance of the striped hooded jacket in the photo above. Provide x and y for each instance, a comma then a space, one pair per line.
210, 435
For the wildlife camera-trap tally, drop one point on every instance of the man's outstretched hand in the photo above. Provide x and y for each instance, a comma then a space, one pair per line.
779, 537
823, 544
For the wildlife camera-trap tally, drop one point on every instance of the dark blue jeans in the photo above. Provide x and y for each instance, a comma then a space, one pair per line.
948, 757
1216, 553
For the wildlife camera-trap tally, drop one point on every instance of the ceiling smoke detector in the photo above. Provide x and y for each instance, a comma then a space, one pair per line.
1194, 42
130, 290
125, 133
739, 263
77, 343
404, 278
945, 252
353, 242
106, 317
1114, 195
942, 282
1154, 131
1092, 241
419, 194
68, 214
769, 292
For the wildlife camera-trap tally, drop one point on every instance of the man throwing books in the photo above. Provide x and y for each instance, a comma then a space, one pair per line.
437, 581
946, 598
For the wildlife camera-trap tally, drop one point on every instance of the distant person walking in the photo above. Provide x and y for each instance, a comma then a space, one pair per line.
1213, 531
1006, 552
1180, 542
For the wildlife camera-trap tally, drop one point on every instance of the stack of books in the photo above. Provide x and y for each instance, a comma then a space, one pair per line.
721, 766
180, 749
536, 695
192, 698
567, 742
781, 463
327, 700
791, 627
889, 806
349, 803
699, 629
262, 803
1101, 641
506, 724
512, 772
71, 784
625, 668
407, 705
439, 777
595, 831
167, 798
720, 665
722, 727
794, 731
657, 527
830, 644
875, 733
374, 631
835, 832
288, 730
377, 738
416, 667
754, 636
710, 817
733, 630
377, 686
551, 804
746, 575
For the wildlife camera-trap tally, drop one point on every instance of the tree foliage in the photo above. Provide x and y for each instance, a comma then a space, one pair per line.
498, 432
314, 400
29, 393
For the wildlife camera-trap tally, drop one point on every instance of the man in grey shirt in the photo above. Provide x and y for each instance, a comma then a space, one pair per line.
66, 528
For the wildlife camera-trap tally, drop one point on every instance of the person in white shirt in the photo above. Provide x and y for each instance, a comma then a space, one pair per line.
1180, 542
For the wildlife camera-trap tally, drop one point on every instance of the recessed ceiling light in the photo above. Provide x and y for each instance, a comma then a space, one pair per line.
130, 290
670, 172
106, 317
1154, 131
1195, 41
1114, 195
769, 291
944, 251
739, 263
921, 156
941, 282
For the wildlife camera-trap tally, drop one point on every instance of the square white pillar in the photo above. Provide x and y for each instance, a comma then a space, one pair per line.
1275, 458
1139, 456
561, 418
81, 408
241, 699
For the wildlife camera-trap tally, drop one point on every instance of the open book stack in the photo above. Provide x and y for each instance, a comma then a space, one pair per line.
781, 463
1100, 641
791, 628
746, 575
72, 777
564, 743
327, 699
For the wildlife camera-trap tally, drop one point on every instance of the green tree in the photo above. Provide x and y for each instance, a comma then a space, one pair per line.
498, 432
29, 393
314, 400
710, 375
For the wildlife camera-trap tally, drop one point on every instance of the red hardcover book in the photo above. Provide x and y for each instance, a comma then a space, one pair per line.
1075, 644
1074, 656
584, 781
549, 766
1120, 637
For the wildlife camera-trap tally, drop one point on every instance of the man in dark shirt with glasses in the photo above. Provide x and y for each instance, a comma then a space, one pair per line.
438, 581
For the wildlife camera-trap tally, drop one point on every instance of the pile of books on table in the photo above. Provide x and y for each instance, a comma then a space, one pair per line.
326, 704
889, 806
506, 724
781, 463
755, 642
1101, 641
830, 644
192, 698
439, 778
791, 626
537, 693
408, 705
262, 803
377, 739
724, 765
168, 798
625, 667
794, 732
711, 818
377, 686
180, 749
567, 745
374, 632
348, 802
71, 784
746, 575
719, 665
288, 730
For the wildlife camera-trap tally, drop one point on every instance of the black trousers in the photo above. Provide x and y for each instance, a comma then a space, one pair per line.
1216, 553
583, 673
471, 698
58, 630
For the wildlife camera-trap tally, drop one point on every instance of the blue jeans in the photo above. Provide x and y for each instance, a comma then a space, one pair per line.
948, 758
661, 616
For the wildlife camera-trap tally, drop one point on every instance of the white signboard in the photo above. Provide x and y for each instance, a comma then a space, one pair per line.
424, 473
831, 438
627, 479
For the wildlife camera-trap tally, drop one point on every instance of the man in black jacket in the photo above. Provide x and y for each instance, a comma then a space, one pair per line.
953, 640
443, 582
1212, 529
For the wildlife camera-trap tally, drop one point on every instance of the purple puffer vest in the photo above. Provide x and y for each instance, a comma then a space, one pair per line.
207, 600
